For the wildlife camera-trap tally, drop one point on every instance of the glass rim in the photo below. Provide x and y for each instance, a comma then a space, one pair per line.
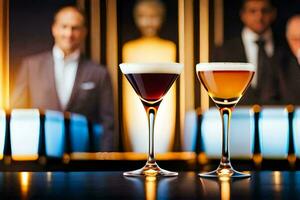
152, 67
225, 66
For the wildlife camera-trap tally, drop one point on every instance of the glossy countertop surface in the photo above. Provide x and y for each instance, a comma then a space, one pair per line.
113, 185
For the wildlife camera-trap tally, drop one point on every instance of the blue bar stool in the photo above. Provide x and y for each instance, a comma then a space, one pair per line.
296, 131
274, 132
25, 131
242, 133
79, 133
241, 130
96, 133
190, 132
211, 132
54, 134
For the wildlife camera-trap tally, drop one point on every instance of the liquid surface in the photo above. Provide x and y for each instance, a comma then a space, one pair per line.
225, 87
151, 87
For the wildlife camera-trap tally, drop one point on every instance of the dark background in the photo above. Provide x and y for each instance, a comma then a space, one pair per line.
129, 31
30, 24
30, 27
233, 25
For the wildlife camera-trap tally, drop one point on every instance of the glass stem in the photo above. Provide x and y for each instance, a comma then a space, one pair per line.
151, 113
226, 116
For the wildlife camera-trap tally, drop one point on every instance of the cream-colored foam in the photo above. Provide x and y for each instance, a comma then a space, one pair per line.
223, 66
142, 68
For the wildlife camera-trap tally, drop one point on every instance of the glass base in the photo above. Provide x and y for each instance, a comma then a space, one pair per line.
150, 169
224, 172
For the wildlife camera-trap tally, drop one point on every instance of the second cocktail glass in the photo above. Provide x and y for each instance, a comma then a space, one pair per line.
151, 81
225, 84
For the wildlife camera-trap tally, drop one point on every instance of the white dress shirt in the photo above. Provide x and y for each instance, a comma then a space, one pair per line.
249, 39
65, 69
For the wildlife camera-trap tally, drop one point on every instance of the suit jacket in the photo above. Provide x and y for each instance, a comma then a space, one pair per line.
91, 94
268, 93
290, 79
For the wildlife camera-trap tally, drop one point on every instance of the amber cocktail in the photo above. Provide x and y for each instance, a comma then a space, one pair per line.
225, 84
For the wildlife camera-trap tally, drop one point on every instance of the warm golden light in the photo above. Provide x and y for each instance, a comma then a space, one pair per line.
49, 177
277, 181
225, 188
256, 108
147, 50
24, 182
66, 158
4, 55
224, 178
204, 46
25, 157
186, 57
150, 187
185, 156
112, 54
202, 158
225, 173
150, 172
257, 158
292, 159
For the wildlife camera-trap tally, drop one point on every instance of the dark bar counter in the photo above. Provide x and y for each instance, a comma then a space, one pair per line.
113, 185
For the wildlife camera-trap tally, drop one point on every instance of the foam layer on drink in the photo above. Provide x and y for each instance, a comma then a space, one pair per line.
143, 68
221, 66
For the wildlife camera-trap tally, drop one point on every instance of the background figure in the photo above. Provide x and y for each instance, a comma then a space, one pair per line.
293, 36
62, 79
255, 45
148, 15
290, 73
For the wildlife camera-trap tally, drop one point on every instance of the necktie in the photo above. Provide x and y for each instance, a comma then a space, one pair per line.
263, 65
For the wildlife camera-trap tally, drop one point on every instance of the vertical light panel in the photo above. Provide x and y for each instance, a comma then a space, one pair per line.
81, 5
25, 133
242, 133
95, 42
273, 127
2, 131
54, 133
112, 54
186, 56
204, 45
4, 54
218, 22
211, 130
296, 131
79, 133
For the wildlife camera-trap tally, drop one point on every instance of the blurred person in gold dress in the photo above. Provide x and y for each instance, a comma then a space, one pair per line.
149, 17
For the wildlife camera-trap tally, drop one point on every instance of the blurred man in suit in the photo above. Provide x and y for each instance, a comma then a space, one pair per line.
293, 36
290, 72
255, 45
62, 79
